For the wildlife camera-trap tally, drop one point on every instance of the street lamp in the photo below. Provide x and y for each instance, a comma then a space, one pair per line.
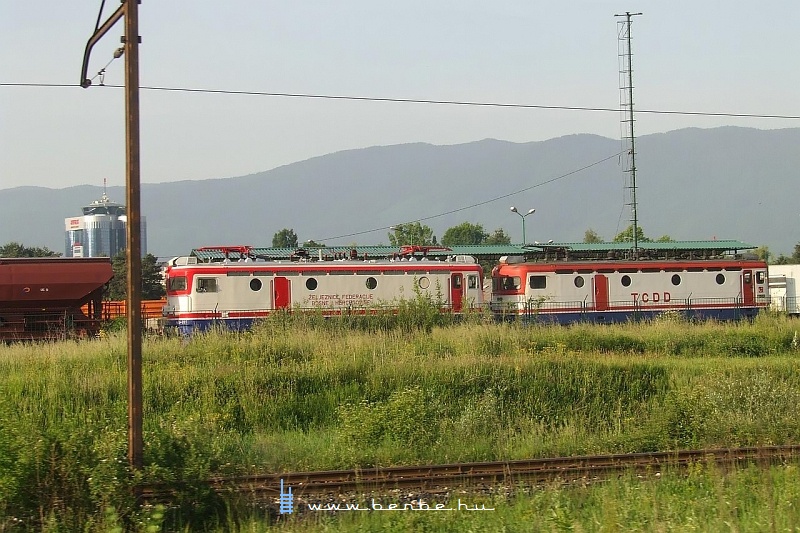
530, 212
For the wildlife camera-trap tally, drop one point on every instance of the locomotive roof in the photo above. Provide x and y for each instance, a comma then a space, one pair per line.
361, 252
551, 250
716, 245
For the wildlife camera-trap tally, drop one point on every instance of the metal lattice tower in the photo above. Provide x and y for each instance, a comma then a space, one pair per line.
626, 120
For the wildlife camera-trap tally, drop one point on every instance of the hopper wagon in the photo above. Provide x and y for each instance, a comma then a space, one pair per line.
52, 298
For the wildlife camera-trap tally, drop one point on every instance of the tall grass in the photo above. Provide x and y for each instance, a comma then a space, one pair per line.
302, 392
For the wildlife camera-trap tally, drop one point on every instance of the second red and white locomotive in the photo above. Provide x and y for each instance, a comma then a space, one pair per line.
621, 290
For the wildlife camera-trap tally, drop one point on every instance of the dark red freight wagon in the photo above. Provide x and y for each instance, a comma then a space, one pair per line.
52, 298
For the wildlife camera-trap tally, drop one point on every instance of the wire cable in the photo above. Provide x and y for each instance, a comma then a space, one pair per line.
474, 205
417, 101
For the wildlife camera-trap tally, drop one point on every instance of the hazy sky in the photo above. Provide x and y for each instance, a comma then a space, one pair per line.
710, 56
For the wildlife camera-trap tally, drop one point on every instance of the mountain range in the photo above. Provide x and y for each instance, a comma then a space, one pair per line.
692, 184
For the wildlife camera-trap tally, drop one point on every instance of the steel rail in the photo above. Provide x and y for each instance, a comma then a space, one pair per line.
477, 475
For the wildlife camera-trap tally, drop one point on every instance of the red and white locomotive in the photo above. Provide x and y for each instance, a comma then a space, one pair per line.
621, 290
234, 293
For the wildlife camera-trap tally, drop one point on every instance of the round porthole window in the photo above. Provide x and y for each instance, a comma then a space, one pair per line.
626, 280
720, 279
676, 279
255, 284
579, 281
424, 282
372, 283
311, 284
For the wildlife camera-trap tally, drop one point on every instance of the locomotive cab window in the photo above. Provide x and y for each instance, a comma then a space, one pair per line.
206, 284
506, 283
760, 276
177, 284
538, 282
472, 282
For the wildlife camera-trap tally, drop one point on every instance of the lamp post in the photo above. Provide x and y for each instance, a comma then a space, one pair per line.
530, 212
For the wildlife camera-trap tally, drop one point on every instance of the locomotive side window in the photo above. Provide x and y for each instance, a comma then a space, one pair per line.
177, 284
676, 279
626, 280
579, 281
372, 283
311, 284
720, 279
472, 282
760, 276
255, 284
424, 282
538, 282
206, 284
457, 282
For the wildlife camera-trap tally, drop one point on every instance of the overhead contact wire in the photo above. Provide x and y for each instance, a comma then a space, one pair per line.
415, 101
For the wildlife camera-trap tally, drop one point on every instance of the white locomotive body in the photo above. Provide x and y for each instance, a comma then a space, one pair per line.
617, 291
235, 293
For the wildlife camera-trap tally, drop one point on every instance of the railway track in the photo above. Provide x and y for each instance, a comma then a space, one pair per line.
477, 476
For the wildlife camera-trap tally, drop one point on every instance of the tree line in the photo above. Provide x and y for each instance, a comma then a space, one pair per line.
412, 233
464, 234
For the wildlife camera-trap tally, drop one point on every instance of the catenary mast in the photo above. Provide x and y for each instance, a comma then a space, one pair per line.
626, 108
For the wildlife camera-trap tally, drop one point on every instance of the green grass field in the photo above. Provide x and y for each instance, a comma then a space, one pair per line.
301, 393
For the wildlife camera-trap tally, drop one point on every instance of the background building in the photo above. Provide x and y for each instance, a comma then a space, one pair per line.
100, 231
